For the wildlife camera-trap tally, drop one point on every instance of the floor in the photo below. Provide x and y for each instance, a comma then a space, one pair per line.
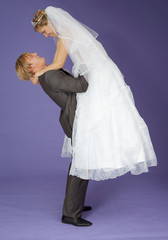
128, 207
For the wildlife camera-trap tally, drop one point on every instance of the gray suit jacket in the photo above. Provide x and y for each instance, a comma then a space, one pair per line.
62, 87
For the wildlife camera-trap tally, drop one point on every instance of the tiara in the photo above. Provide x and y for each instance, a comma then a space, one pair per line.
35, 23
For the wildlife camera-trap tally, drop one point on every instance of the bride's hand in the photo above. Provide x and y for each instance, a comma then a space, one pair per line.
39, 73
34, 80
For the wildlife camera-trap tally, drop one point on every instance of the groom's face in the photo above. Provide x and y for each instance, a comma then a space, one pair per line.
36, 63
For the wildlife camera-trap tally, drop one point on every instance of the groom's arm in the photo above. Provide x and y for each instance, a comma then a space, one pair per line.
59, 81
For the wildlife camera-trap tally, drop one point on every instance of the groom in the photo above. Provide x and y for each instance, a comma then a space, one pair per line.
61, 87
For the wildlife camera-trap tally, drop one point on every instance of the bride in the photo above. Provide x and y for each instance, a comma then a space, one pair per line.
109, 137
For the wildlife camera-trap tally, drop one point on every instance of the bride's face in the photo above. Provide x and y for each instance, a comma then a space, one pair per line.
47, 31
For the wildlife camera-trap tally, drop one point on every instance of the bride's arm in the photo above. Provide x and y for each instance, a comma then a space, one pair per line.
59, 58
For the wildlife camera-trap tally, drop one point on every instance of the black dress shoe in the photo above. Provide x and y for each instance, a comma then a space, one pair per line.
78, 221
86, 208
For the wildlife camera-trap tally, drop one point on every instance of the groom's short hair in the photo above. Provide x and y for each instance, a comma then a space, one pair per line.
23, 67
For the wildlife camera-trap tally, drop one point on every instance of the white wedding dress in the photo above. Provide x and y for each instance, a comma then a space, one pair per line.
110, 138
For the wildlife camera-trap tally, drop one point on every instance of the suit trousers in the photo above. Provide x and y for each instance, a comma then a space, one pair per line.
74, 196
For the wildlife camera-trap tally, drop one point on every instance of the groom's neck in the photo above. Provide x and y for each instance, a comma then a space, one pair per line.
41, 68
44, 66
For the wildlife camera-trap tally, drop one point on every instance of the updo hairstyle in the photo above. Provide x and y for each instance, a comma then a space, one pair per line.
39, 20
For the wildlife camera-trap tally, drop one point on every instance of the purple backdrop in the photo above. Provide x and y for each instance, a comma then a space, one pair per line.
134, 34
32, 173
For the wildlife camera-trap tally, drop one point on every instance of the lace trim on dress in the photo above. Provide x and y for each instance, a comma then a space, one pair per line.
103, 174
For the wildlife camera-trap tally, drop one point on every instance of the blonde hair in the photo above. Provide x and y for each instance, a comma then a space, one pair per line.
40, 19
23, 67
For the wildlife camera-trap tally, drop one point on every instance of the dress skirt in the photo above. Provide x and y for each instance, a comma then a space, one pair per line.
109, 136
